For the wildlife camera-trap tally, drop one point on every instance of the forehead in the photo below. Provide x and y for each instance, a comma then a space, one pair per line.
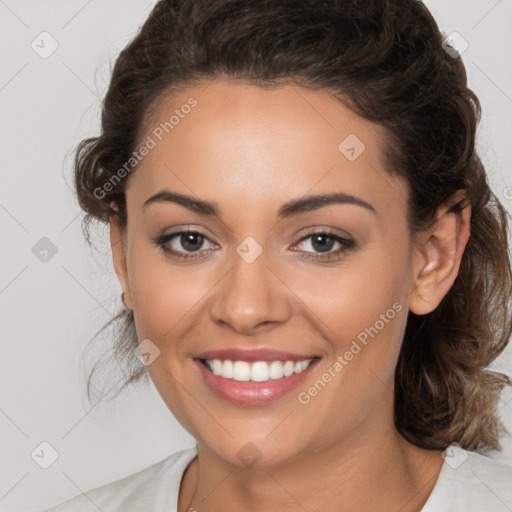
230, 141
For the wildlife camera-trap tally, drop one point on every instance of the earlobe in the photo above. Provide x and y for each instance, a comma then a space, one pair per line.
437, 257
119, 258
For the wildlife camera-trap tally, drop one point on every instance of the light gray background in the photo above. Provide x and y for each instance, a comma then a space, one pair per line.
49, 311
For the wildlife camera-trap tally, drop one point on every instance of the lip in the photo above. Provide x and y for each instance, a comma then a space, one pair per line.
252, 355
252, 393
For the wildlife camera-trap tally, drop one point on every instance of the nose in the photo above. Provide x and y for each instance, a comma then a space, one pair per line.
251, 297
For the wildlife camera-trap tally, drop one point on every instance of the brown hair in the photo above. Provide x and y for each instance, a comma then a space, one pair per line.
385, 60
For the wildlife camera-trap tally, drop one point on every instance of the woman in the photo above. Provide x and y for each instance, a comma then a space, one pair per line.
314, 269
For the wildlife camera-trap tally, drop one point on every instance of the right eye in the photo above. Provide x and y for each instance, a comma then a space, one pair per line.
181, 245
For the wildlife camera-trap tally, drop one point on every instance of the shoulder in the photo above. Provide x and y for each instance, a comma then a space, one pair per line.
155, 487
471, 482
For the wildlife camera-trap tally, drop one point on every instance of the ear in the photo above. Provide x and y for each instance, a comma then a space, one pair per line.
119, 257
437, 254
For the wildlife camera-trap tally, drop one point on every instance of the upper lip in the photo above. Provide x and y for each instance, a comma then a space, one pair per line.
251, 355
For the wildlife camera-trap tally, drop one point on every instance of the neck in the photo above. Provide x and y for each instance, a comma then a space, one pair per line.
373, 470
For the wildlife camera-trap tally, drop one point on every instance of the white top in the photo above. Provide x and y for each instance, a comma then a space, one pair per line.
468, 482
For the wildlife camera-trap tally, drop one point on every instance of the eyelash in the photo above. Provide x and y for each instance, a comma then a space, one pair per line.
329, 256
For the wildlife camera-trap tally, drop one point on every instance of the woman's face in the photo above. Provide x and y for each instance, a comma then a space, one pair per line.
328, 280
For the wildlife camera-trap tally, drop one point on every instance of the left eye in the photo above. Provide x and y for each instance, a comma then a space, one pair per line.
323, 242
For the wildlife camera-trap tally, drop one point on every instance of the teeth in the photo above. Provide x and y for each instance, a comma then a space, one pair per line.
288, 368
276, 370
259, 371
216, 366
241, 371
227, 370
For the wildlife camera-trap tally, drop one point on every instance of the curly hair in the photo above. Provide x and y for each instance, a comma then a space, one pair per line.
386, 61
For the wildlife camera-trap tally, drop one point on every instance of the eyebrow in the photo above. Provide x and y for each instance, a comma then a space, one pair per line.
289, 209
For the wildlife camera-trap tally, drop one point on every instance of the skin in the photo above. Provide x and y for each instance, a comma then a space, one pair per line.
250, 150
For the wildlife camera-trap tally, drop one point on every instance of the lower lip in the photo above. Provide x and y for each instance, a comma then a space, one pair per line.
253, 393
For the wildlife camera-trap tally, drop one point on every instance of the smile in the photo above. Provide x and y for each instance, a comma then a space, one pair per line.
253, 378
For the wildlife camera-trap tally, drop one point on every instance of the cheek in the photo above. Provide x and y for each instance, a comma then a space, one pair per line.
163, 293
355, 294
363, 300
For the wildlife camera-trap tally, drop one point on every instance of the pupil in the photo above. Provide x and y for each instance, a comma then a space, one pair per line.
322, 246
187, 241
